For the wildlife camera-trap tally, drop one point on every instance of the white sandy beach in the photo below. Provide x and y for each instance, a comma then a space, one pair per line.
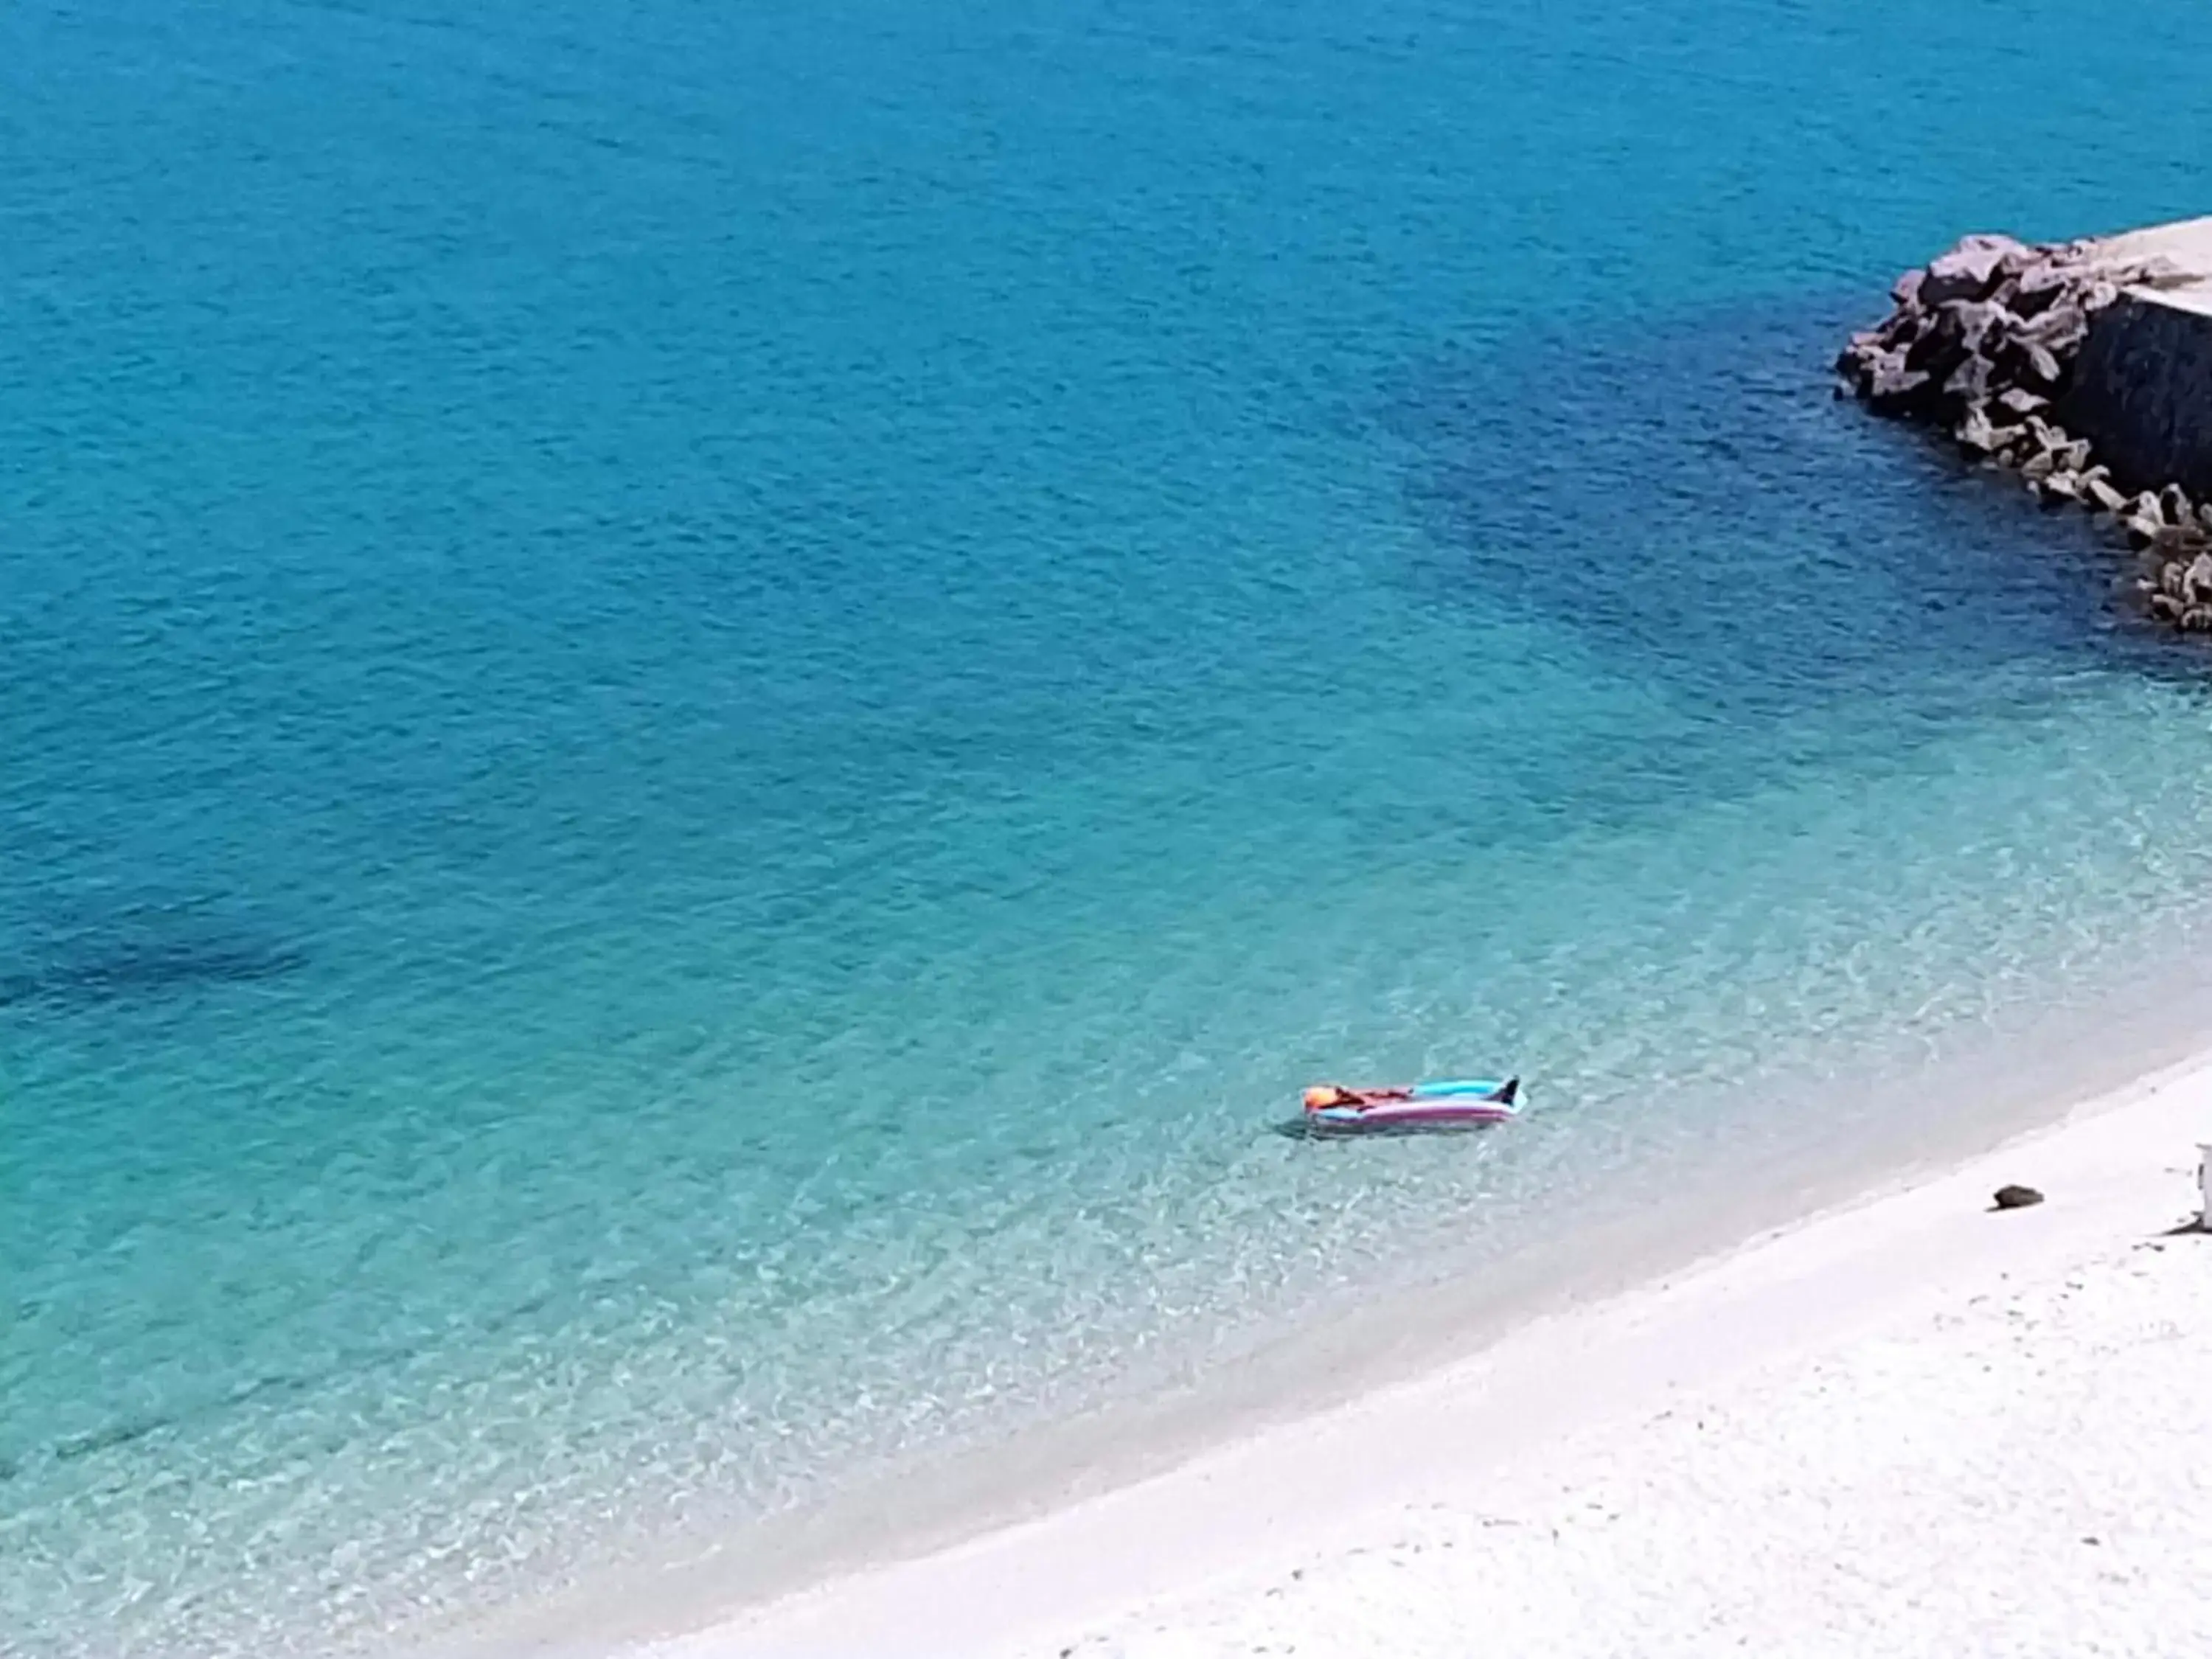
1912, 1426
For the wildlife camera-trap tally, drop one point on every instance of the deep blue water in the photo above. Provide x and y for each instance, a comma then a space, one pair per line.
703, 709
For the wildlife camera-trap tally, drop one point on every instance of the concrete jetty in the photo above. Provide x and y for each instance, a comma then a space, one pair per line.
2142, 390
2084, 367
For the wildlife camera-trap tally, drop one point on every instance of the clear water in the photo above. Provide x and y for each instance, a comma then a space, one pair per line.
702, 708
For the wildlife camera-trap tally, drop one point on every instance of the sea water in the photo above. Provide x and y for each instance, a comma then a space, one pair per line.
704, 708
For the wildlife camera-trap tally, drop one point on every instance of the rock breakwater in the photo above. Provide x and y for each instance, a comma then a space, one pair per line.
1983, 344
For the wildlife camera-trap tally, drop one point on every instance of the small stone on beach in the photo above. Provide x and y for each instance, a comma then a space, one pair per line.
2016, 1198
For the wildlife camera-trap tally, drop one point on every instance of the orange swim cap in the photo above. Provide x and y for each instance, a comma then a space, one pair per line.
1319, 1096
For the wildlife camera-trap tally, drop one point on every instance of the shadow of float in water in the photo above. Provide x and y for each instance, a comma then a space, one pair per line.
1301, 1128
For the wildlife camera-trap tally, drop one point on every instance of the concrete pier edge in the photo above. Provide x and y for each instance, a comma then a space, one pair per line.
2085, 367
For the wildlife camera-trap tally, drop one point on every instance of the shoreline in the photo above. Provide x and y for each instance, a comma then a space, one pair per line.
706, 1593
1286, 1490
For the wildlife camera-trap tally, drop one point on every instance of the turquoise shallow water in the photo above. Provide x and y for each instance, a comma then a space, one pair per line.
703, 711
